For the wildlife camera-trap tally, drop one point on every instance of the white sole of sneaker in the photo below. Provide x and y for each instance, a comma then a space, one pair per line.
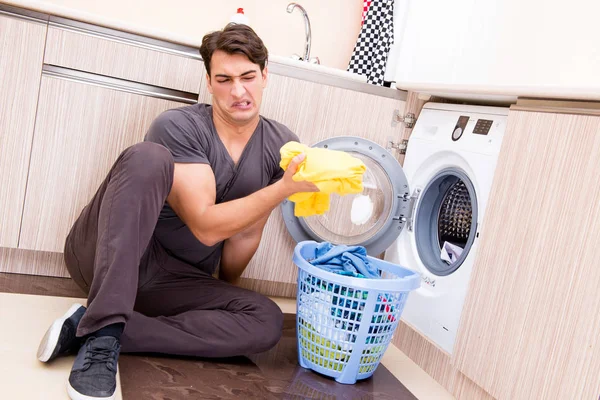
50, 339
75, 395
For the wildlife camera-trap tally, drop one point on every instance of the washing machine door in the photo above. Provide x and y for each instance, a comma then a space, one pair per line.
373, 218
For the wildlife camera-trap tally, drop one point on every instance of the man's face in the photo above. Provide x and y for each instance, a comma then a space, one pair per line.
236, 85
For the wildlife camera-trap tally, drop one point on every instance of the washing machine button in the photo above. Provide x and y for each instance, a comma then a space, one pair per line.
460, 126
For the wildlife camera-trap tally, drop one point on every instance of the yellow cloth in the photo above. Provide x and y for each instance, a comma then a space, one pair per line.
331, 170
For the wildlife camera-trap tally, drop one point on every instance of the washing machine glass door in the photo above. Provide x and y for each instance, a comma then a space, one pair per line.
373, 218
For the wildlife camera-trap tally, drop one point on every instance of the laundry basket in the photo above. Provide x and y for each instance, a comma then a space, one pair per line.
345, 324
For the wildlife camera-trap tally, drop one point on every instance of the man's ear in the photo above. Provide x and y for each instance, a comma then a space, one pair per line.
264, 76
208, 84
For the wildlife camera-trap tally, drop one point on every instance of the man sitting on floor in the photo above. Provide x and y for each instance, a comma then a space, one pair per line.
194, 196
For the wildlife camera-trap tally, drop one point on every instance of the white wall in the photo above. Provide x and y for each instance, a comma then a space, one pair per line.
501, 42
335, 23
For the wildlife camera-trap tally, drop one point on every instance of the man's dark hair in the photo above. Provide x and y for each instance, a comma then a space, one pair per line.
234, 39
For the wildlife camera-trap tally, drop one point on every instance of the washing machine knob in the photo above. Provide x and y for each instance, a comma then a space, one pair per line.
457, 133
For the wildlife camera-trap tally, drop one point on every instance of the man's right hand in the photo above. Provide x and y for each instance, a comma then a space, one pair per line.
292, 186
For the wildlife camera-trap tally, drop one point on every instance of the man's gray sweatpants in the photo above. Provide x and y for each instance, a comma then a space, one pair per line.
167, 305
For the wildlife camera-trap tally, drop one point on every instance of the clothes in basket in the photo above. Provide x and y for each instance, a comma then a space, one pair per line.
344, 260
339, 299
316, 307
349, 261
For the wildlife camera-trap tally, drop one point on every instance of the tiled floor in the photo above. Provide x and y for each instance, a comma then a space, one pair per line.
271, 375
24, 319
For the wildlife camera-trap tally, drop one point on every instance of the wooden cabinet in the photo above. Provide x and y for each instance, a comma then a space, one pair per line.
99, 92
90, 48
21, 53
81, 128
314, 112
532, 316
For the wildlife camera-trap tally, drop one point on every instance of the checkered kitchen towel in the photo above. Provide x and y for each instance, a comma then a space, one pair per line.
374, 41
366, 5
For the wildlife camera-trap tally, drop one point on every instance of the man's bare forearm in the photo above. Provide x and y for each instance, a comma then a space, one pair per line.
224, 220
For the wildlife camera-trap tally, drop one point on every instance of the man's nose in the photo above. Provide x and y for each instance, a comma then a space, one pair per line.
238, 89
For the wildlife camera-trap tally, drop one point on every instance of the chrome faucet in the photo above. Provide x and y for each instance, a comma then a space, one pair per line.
306, 57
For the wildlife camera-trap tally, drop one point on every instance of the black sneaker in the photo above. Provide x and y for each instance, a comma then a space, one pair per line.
94, 373
60, 338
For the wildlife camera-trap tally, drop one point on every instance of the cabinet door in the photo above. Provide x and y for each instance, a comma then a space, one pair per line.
82, 48
80, 130
314, 111
21, 52
532, 316
500, 45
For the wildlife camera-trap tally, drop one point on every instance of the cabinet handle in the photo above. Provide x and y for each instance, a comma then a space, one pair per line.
22, 13
124, 37
118, 84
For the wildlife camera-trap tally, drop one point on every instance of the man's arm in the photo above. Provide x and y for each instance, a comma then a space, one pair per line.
239, 249
193, 194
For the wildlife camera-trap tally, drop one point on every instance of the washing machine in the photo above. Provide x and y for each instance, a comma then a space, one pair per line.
426, 215
450, 162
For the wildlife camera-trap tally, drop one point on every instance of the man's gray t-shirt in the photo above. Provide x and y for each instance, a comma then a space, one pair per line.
189, 133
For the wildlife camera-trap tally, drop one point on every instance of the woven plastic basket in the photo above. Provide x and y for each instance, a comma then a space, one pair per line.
345, 324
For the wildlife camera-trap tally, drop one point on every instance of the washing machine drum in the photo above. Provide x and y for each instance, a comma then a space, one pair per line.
455, 214
373, 218
445, 222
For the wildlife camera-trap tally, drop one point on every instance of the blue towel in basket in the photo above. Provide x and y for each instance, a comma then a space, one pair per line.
344, 260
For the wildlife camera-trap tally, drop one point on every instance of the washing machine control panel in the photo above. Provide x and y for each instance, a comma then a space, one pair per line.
469, 129
482, 127
475, 132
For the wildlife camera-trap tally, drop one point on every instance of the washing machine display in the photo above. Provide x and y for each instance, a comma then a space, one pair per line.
483, 126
